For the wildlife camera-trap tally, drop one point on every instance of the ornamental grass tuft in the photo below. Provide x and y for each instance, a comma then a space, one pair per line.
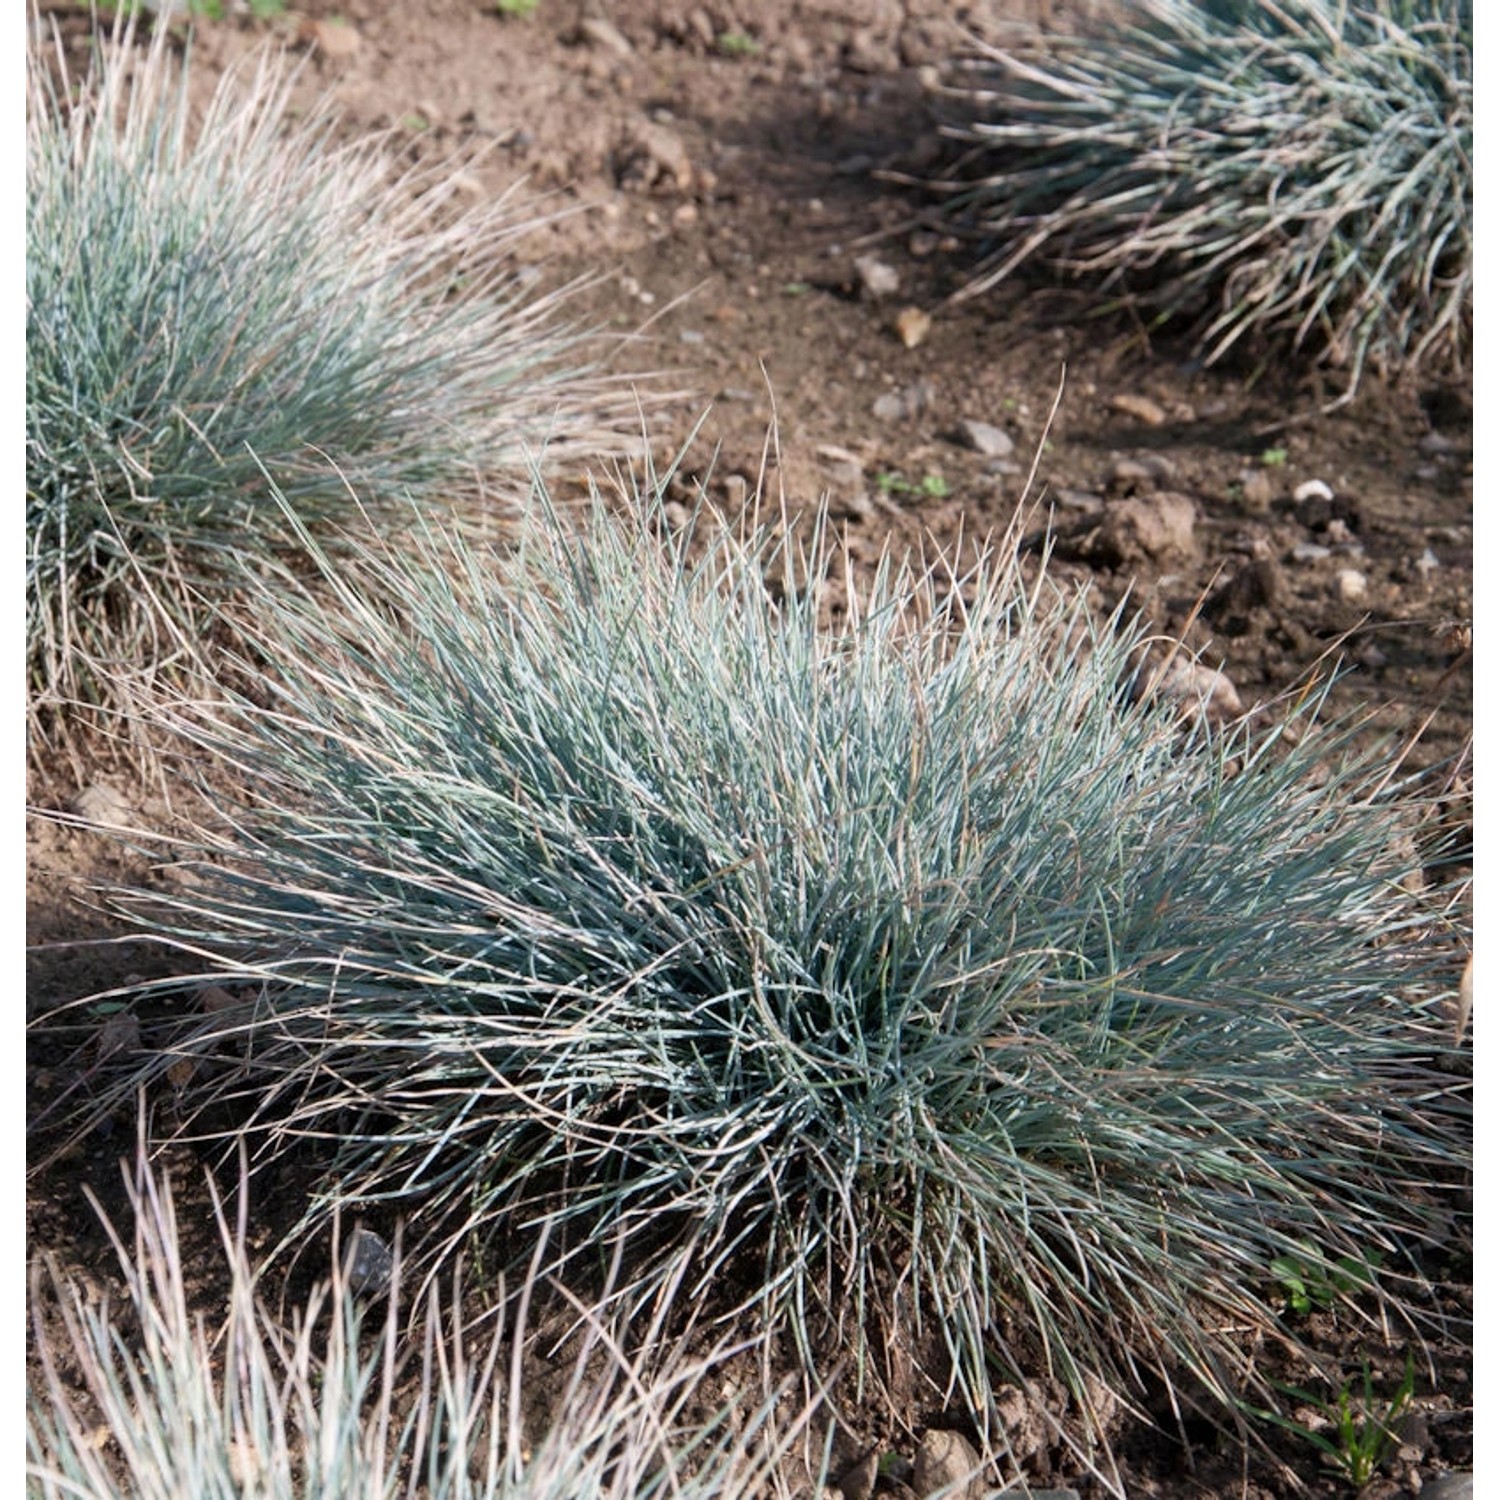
213, 294
1293, 174
899, 980
153, 1399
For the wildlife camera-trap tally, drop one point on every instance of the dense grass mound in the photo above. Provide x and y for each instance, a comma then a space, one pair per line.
209, 293
906, 973
1294, 174
160, 1403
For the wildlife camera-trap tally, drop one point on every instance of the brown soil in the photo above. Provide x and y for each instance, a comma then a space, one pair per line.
724, 159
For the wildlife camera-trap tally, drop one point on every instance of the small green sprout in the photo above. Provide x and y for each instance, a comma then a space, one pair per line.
932, 486
517, 7
737, 44
1274, 458
1351, 1437
1309, 1284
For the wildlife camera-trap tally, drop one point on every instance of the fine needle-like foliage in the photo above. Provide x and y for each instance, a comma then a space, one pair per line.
203, 283
906, 974
344, 1404
1298, 173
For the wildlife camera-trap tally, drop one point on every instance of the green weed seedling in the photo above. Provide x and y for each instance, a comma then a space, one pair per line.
934, 486
737, 44
1355, 1440
517, 7
1310, 1285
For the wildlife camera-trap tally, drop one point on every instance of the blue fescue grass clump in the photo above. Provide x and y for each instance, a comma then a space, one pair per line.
1299, 173
352, 1400
215, 293
906, 973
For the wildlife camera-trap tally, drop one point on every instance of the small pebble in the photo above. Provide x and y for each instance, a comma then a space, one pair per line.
1312, 489
910, 401
1142, 408
912, 325
984, 438
1310, 552
1428, 563
946, 1464
368, 1263
102, 804
1350, 585
1256, 491
601, 33
877, 279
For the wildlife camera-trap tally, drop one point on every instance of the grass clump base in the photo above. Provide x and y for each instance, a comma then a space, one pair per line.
220, 294
1298, 174
906, 978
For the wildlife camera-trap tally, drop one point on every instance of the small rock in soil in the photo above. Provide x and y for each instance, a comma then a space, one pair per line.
946, 1463
1350, 585
910, 401
120, 1033
877, 279
1311, 489
1026, 1430
652, 155
601, 33
912, 325
1148, 527
1196, 686
336, 40
368, 1263
1148, 472
1450, 1486
1310, 552
986, 439
857, 1482
102, 804
1142, 408
1256, 491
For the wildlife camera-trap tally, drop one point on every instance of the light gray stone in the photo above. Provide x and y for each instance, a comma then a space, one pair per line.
985, 438
948, 1466
877, 279
1312, 489
102, 804
1450, 1486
